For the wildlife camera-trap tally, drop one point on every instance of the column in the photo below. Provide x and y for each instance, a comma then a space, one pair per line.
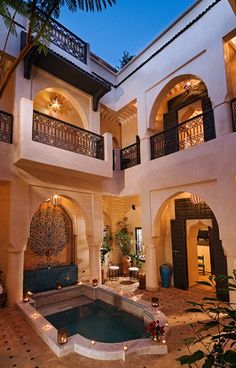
151, 268
14, 277
94, 263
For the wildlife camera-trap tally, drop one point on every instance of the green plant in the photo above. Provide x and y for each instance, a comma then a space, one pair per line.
123, 236
216, 335
136, 260
37, 36
125, 59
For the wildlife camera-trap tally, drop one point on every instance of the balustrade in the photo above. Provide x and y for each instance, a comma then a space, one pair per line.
57, 133
130, 156
189, 133
6, 123
63, 38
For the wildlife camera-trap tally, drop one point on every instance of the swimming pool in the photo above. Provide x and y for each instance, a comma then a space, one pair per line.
99, 321
54, 302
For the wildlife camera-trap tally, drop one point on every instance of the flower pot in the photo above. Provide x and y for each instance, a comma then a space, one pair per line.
126, 263
166, 274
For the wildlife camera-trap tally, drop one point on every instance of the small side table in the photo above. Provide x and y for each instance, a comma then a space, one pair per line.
133, 273
114, 273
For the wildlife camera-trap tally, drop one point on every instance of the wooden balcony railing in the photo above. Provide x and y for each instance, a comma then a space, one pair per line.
63, 38
6, 124
233, 108
130, 156
189, 133
57, 133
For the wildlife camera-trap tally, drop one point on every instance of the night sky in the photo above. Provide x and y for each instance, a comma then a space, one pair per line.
130, 25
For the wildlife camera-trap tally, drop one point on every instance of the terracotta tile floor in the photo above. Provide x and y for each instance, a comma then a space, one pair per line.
21, 347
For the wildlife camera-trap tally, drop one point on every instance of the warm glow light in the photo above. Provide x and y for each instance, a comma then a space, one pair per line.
55, 104
35, 315
167, 324
125, 348
47, 327
163, 341
55, 200
195, 199
93, 342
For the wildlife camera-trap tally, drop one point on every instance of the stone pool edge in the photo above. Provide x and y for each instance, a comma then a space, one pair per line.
100, 351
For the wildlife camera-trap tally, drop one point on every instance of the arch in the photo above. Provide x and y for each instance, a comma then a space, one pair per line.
165, 90
173, 222
72, 111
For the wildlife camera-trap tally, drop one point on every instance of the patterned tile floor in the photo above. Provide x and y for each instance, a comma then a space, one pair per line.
21, 347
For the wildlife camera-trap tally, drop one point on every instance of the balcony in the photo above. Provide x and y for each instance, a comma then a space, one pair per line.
63, 38
6, 125
192, 132
50, 144
57, 133
130, 156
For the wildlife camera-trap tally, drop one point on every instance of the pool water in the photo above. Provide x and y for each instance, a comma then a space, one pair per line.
99, 321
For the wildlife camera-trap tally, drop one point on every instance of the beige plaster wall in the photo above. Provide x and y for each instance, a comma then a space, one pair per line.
4, 225
116, 208
66, 112
129, 131
112, 127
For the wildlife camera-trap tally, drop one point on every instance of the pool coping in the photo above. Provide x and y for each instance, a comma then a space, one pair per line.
99, 350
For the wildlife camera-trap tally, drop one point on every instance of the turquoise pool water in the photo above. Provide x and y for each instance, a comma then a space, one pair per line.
100, 322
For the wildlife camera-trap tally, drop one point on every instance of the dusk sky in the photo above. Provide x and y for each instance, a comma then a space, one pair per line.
130, 25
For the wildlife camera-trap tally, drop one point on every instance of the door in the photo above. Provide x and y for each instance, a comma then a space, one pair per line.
219, 262
171, 132
179, 253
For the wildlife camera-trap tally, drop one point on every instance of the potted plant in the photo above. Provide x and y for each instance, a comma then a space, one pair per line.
105, 249
123, 240
155, 331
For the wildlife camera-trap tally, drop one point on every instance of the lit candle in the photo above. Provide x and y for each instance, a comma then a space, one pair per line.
93, 342
125, 348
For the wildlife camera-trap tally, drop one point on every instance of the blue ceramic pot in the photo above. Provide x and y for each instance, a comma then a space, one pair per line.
166, 271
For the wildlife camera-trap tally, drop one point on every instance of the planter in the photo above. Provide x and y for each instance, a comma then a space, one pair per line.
126, 263
166, 274
142, 281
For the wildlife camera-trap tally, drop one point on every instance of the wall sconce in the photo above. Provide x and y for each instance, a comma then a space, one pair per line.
155, 302
95, 282
58, 285
55, 105
62, 336
55, 200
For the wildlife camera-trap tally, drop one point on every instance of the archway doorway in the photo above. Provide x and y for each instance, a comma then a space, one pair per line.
186, 210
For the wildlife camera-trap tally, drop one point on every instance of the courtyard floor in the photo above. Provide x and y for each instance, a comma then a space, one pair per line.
21, 347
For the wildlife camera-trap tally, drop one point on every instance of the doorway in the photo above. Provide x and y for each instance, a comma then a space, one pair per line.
185, 210
198, 250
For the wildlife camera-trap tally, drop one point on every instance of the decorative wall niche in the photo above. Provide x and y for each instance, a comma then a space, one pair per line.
51, 238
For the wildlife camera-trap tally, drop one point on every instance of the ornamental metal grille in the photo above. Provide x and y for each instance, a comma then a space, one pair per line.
187, 134
130, 156
57, 133
6, 123
63, 38
233, 107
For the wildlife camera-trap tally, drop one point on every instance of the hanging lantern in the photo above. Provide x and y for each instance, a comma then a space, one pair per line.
26, 297
62, 336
